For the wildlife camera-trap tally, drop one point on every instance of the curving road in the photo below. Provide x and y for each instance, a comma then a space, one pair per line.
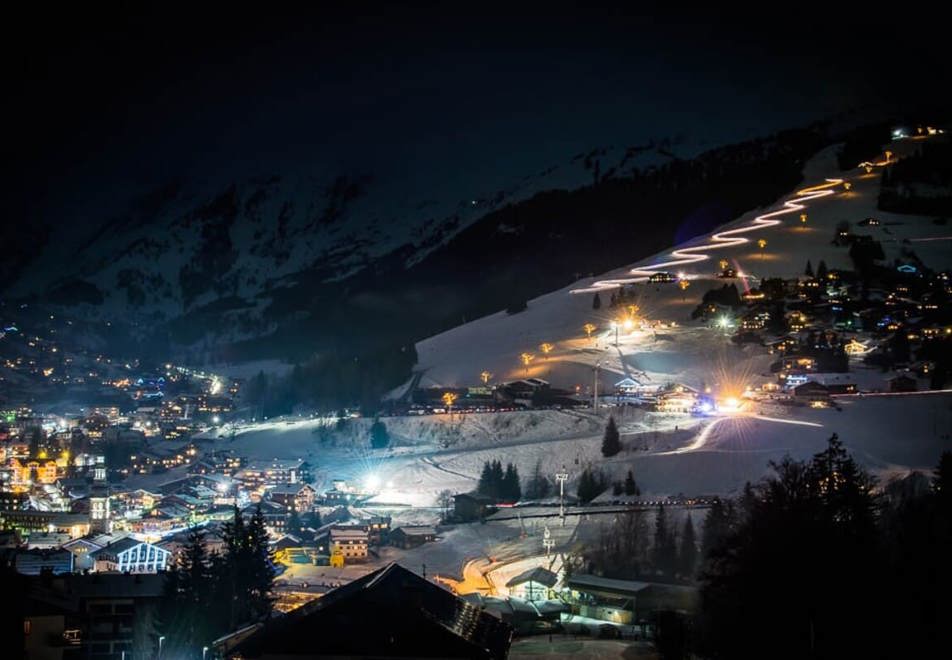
719, 240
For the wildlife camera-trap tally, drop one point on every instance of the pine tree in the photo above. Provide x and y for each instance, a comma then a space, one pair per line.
511, 489
196, 586
631, 488
687, 556
814, 520
590, 485
821, 270
379, 436
663, 543
584, 487
485, 484
261, 567
187, 590
611, 443
537, 486
497, 479
717, 525
220, 615
808, 271
233, 571
596, 301
169, 616
617, 488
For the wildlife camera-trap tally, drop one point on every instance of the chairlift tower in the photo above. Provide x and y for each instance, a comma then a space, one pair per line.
547, 541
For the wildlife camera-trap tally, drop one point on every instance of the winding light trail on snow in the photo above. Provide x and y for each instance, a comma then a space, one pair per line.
723, 239
701, 438
778, 420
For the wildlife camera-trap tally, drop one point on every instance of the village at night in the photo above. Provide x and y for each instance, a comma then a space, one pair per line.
422, 331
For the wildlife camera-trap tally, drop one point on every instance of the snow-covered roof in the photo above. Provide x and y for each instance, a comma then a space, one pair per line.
416, 530
537, 574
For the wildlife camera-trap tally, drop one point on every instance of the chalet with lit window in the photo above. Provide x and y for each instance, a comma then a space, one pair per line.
301, 496
412, 536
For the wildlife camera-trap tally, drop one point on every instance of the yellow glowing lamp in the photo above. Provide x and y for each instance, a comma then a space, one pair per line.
762, 243
723, 264
449, 399
546, 347
589, 329
485, 376
527, 358
847, 185
803, 217
684, 284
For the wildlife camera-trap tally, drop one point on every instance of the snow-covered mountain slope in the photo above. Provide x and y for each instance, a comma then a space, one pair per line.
185, 245
691, 352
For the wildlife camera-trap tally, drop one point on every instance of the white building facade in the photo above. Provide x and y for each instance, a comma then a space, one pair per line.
131, 556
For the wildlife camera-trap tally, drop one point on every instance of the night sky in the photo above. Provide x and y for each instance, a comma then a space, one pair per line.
108, 101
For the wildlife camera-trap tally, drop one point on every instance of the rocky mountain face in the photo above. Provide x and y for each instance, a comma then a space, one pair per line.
227, 253
294, 266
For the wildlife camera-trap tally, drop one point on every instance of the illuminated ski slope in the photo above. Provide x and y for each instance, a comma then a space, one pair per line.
724, 239
730, 237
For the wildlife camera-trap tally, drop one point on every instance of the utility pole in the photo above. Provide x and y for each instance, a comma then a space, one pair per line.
562, 477
595, 387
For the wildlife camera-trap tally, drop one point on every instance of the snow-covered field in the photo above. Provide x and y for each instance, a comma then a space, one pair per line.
668, 453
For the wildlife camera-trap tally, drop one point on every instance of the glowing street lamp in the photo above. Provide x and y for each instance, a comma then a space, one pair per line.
723, 264
526, 359
589, 328
546, 348
485, 377
449, 398
684, 284
868, 167
762, 243
888, 155
633, 310
803, 218
847, 185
